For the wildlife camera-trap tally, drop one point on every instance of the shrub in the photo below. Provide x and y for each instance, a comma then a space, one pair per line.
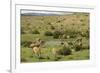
73, 36
81, 20
57, 58
87, 33
73, 24
85, 47
78, 48
26, 43
48, 33
65, 51
58, 21
56, 34
49, 23
52, 27
83, 24
71, 33
22, 31
28, 24
35, 32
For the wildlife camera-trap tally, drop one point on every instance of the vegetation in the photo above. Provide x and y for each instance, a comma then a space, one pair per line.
48, 33
65, 51
57, 34
55, 31
35, 32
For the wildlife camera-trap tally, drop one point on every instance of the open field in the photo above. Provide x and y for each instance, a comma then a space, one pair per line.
68, 34
27, 56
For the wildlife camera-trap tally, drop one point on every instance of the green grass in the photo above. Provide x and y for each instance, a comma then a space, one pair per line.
80, 55
47, 55
26, 53
32, 37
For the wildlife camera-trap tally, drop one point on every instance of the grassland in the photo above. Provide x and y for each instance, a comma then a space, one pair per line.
69, 27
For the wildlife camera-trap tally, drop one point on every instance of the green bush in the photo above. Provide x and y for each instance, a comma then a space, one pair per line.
48, 33
65, 51
81, 20
35, 32
56, 34
87, 33
71, 33
78, 48
52, 27
85, 47
26, 43
22, 30
73, 36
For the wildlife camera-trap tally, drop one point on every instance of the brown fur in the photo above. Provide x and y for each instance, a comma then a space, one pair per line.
36, 50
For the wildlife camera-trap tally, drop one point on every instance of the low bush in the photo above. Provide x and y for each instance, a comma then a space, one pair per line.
56, 34
22, 30
26, 43
52, 27
71, 33
85, 47
35, 32
78, 48
48, 33
65, 51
